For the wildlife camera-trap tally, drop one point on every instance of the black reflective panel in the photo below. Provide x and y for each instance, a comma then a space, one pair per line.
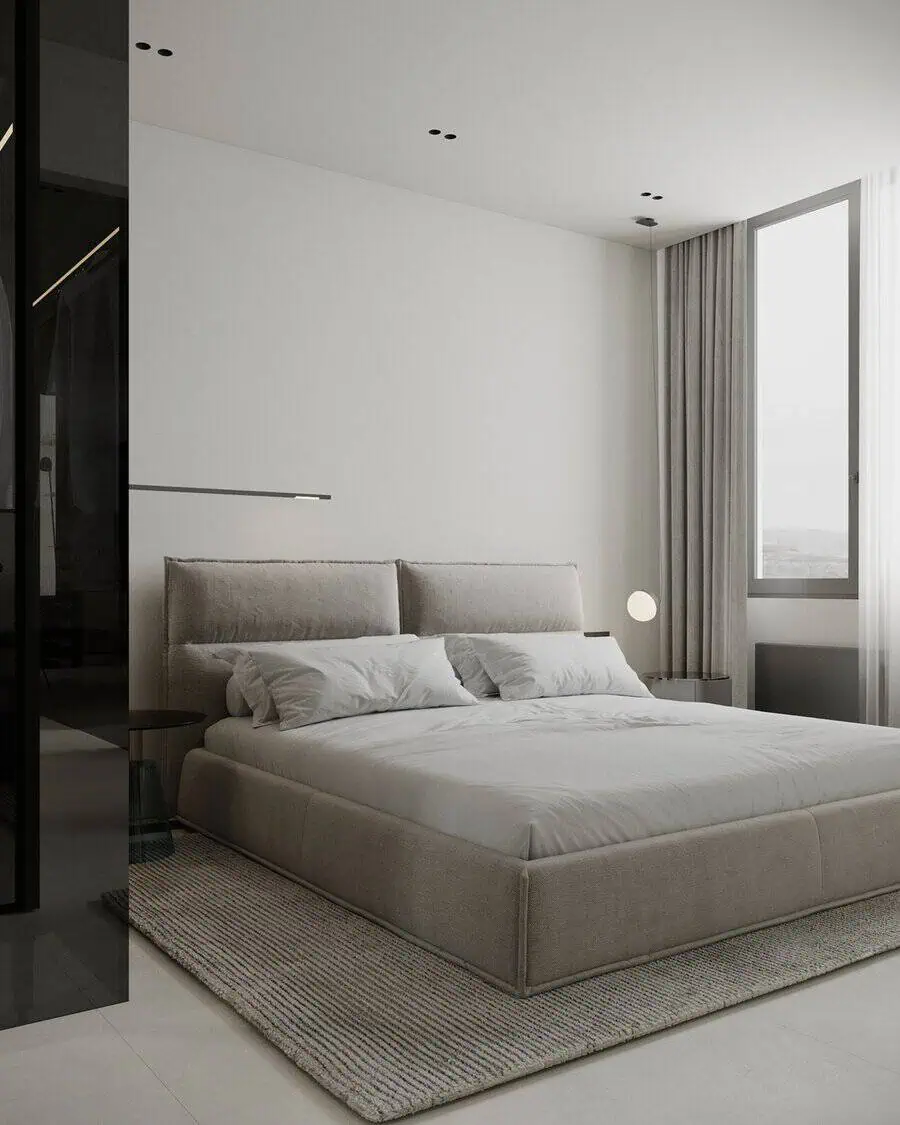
9, 773
68, 952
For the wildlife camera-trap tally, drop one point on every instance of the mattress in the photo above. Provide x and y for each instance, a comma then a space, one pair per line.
551, 777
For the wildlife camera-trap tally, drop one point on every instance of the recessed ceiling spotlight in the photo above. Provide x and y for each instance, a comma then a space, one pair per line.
165, 52
645, 194
449, 136
657, 197
434, 132
646, 221
142, 46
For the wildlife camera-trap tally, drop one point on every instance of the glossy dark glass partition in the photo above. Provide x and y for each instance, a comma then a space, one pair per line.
11, 822
64, 632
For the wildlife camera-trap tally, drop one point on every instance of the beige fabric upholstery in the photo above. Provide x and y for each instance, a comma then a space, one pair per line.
489, 598
451, 895
530, 925
667, 891
219, 600
860, 843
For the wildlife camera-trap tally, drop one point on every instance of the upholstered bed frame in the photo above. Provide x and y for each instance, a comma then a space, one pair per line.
524, 925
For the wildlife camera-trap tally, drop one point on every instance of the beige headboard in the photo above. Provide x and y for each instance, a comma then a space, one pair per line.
212, 603
489, 598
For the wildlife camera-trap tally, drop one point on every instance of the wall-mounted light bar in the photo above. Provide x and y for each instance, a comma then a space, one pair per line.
230, 492
5, 138
56, 284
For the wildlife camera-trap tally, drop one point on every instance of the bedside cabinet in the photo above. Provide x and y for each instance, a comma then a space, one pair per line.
690, 689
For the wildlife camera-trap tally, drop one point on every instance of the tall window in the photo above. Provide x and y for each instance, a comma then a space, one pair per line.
804, 360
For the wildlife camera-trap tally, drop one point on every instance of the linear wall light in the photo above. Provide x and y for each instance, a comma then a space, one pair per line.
230, 492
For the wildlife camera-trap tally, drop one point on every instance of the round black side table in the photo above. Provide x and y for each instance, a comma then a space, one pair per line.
149, 831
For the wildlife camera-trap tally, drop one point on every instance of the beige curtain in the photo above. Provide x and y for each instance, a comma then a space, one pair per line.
703, 442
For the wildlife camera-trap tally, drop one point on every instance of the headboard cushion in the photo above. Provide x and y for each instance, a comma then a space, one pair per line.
489, 598
211, 603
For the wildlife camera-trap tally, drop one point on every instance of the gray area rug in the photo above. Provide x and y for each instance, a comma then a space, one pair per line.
392, 1029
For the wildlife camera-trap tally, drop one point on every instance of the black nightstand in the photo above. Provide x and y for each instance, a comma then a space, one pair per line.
691, 689
149, 831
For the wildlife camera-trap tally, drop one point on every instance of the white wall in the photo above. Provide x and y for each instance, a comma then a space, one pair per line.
467, 385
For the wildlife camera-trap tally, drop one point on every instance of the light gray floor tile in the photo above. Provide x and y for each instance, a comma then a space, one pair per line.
222, 1070
857, 1010
82, 1057
817, 1055
144, 1102
30, 1035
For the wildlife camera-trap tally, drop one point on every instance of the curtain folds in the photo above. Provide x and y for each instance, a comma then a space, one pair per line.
879, 457
703, 450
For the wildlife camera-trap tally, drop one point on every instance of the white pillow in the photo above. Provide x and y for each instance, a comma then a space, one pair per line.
235, 703
543, 665
469, 668
462, 655
253, 688
250, 683
331, 684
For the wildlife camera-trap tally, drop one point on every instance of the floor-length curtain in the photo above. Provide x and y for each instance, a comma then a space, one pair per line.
879, 456
703, 402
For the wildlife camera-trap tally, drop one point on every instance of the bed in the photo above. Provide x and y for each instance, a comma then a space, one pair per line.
535, 842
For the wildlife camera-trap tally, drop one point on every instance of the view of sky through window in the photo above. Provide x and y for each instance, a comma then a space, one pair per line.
802, 394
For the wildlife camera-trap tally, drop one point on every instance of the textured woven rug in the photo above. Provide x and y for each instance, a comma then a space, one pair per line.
392, 1029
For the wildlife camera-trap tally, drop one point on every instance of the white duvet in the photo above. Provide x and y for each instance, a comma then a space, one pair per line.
551, 776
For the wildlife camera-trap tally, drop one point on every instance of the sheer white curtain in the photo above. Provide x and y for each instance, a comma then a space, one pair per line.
879, 451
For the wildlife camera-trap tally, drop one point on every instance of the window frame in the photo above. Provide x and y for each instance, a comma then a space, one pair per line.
807, 587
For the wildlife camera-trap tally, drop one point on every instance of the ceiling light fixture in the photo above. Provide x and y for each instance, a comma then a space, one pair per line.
434, 132
143, 45
449, 136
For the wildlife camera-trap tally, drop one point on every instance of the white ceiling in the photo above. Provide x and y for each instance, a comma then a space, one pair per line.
566, 110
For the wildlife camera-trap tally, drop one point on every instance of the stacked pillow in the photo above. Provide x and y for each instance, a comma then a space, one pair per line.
300, 683
548, 665
304, 682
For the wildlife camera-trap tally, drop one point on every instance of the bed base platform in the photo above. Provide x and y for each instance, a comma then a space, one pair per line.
528, 926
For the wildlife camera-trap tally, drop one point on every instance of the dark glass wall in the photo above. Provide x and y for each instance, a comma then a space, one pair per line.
11, 821
62, 947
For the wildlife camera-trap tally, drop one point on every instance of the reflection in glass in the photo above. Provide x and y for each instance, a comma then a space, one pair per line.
9, 820
67, 952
